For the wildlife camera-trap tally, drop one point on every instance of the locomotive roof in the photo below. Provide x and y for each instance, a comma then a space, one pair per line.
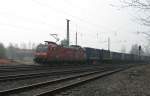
49, 42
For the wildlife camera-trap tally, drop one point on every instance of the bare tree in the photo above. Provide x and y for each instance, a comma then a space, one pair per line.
2, 51
135, 50
33, 46
147, 50
11, 51
143, 6
64, 42
123, 49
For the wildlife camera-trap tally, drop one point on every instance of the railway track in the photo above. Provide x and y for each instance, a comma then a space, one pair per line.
20, 70
36, 67
46, 73
14, 68
58, 84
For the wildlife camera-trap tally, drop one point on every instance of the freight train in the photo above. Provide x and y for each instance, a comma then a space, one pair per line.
51, 52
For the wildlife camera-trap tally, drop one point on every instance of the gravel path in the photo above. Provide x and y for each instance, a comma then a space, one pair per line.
132, 82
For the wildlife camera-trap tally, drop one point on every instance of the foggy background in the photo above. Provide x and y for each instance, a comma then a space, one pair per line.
26, 23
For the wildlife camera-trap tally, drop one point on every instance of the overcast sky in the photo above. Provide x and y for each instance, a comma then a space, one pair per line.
94, 20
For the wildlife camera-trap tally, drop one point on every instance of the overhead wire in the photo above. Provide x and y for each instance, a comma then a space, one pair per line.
32, 20
93, 27
75, 17
96, 27
41, 22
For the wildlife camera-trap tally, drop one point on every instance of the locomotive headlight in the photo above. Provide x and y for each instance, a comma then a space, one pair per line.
41, 54
44, 54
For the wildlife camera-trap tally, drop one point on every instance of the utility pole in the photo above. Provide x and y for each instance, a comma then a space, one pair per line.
68, 32
76, 38
97, 35
140, 51
108, 44
76, 35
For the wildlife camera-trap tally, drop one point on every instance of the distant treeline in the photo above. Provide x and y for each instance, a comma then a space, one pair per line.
2, 51
14, 52
25, 51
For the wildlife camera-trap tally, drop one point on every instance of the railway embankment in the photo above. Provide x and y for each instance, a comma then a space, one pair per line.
131, 82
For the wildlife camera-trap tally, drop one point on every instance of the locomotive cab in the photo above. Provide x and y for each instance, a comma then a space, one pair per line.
41, 53
44, 52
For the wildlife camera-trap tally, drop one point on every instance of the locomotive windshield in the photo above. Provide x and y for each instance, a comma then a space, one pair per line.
42, 48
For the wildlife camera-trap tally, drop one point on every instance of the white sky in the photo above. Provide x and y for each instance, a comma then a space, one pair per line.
33, 21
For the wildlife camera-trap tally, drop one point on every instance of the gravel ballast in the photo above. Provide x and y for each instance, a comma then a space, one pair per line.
131, 82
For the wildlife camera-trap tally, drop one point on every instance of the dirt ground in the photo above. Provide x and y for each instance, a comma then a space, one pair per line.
131, 82
15, 62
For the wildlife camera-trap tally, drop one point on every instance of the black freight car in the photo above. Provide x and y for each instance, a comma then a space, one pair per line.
106, 56
93, 55
116, 57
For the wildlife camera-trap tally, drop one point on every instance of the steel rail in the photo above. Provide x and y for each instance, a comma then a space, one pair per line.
37, 85
42, 74
35, 67
74, 79
76, 82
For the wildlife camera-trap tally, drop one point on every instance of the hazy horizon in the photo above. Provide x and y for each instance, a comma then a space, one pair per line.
94, 20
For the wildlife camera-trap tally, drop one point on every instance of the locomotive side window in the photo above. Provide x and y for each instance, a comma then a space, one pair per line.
42, 48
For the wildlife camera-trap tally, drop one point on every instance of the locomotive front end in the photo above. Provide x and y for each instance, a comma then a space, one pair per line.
40, 55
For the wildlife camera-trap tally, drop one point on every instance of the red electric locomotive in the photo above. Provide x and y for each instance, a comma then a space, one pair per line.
54, 53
